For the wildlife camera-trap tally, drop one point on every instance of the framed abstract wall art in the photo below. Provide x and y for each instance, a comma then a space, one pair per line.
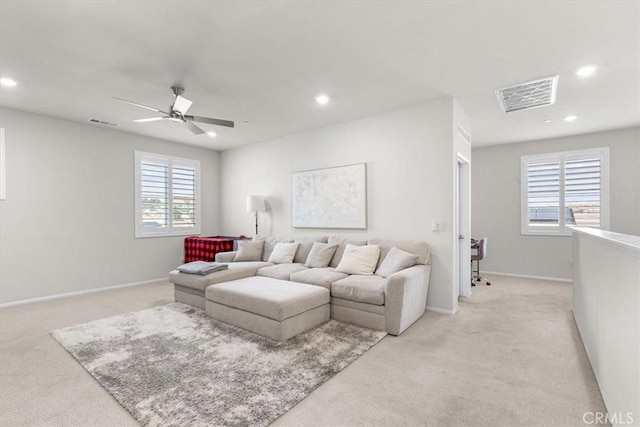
330, 198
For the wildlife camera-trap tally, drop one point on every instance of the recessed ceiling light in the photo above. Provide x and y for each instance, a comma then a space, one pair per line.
212, 134
6, 81
322, 99
570, 118
245, 122
547, 121
586, 71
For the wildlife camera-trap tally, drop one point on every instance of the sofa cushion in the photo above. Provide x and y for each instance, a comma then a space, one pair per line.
359, 259
280, 271
417, 247
318, 276
342, 242
320, 255
253, 265
283, 253
249, 251
275, 299
306, 243
201, 283
228, 256
396, 260
367, 289
270, 244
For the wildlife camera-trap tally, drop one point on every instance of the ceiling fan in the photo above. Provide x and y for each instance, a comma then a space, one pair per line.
177, 113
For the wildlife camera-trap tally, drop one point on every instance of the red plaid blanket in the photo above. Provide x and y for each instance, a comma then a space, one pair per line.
198, 248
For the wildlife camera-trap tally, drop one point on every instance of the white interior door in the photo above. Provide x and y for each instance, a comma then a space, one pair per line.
463, 227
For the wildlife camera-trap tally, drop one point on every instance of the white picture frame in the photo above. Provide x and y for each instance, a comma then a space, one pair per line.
3, 170
330, 198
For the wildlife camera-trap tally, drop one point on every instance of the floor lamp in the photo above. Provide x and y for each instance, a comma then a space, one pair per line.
256, 205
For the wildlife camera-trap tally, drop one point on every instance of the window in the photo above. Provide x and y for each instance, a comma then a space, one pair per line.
167, 195
561, 190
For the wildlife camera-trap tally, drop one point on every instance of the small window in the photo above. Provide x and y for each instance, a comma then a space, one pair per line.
561, 190
167, 195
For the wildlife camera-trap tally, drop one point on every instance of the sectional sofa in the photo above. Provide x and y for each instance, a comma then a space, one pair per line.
379, 284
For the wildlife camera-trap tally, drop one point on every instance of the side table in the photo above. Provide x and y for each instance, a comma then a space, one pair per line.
197, 248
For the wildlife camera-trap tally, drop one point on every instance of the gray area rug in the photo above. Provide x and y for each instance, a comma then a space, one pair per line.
175, 366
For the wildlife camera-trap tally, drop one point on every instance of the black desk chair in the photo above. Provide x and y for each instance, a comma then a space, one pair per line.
481, 250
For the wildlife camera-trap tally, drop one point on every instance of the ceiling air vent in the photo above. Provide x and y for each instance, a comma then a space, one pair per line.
102, 122
522, 96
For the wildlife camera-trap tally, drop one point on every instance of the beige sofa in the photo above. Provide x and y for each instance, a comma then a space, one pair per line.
390, 303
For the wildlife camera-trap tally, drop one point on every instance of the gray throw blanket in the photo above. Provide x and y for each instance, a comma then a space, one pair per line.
201, 267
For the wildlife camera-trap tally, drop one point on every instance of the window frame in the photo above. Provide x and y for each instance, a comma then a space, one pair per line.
171, 162
562, 157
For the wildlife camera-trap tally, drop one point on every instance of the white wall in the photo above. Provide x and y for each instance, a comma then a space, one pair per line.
496, 201
606, 303
409, 156
68, 222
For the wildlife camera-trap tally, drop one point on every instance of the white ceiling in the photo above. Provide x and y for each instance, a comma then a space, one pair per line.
264, 62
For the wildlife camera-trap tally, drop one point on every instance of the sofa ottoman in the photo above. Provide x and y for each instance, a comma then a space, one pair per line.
277, 309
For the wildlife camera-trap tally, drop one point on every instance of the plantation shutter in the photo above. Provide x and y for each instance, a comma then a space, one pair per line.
582, 190
184, 195
154, 194
167, 195
566, 189
543, 191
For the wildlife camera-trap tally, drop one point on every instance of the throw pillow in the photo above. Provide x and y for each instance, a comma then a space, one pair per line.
270, 243
306, 243
283, 253
395, 261
320, 255
342, 242
249, 251
359, 259
420, 248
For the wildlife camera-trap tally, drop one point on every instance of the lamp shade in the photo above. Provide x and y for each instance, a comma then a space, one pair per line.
255, 204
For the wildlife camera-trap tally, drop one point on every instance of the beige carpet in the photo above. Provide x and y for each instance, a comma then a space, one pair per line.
511, 356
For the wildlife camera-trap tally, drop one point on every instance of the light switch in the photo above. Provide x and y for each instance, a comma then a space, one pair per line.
435, 225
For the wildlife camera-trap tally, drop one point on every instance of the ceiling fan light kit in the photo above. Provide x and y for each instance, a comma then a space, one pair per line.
177, 113
181, 105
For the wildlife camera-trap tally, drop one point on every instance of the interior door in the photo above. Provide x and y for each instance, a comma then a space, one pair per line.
463, 225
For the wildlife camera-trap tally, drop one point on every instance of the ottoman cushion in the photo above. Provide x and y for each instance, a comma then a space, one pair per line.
272, 298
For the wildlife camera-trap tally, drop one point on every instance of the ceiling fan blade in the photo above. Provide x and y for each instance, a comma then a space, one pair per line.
193, 128
150, 119
219, 122
140, 105
181, 104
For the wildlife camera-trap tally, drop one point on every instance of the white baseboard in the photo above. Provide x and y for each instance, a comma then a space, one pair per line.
525, 276
76, 293
441, 310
